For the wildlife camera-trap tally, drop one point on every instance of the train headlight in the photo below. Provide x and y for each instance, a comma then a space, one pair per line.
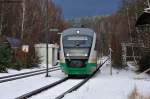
85, 54
78, 31
67, 54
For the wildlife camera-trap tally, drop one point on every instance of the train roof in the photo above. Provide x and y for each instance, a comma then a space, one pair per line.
82, 31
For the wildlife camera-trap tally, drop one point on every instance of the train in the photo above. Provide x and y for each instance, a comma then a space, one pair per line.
78, 56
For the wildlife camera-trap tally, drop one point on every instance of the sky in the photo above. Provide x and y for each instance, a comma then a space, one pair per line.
80, 8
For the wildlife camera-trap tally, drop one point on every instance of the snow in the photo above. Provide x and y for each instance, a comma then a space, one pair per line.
103, 86
147, 10
13, 89
13, 71
117, 86
57, 90
108, 89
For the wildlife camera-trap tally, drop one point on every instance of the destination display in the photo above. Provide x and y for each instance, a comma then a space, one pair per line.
78, 38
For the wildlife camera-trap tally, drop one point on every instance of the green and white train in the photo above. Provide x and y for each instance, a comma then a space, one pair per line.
77, 51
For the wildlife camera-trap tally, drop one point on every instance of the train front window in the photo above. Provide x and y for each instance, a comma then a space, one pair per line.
77, 41
77, 45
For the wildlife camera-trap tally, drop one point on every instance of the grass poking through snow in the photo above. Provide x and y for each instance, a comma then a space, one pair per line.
136, 95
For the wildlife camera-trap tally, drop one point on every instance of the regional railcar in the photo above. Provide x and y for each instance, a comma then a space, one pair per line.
77, 51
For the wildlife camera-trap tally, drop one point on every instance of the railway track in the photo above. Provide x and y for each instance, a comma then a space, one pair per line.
26, 74
81, 83
47, 87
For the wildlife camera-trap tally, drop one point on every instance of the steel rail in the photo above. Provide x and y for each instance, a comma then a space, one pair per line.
81, 83
25, 76
8, 76
37, 91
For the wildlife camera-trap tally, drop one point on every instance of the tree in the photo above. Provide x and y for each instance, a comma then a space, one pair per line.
116, 52
27, 21
5, 57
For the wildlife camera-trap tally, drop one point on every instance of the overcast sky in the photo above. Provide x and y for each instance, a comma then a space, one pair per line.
79, 8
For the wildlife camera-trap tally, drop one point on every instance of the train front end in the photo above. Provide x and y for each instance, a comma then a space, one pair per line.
77, 54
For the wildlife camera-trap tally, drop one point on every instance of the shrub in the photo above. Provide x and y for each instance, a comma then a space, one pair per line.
116, 58
144, 63
25, 60
5, 57
116, 52
117, 61
18, 65
17, 59
136, 95
32, 59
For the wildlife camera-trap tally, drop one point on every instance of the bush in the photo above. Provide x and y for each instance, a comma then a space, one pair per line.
32, 60
5, 57
117, 61
144, 63
116, 52
18, 65
25, 60
116, 58
136, 95
17, 59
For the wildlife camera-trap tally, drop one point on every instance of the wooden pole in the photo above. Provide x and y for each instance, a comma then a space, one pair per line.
47, 25
110, 53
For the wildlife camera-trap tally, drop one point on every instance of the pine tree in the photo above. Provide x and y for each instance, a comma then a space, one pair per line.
5, 57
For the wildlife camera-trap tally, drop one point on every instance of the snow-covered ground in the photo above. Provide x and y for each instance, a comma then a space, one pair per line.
117, 86
13, 89
12, 71
102, 86
57, 90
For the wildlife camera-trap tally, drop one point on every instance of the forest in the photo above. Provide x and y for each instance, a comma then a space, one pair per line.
28, 21
113, 30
